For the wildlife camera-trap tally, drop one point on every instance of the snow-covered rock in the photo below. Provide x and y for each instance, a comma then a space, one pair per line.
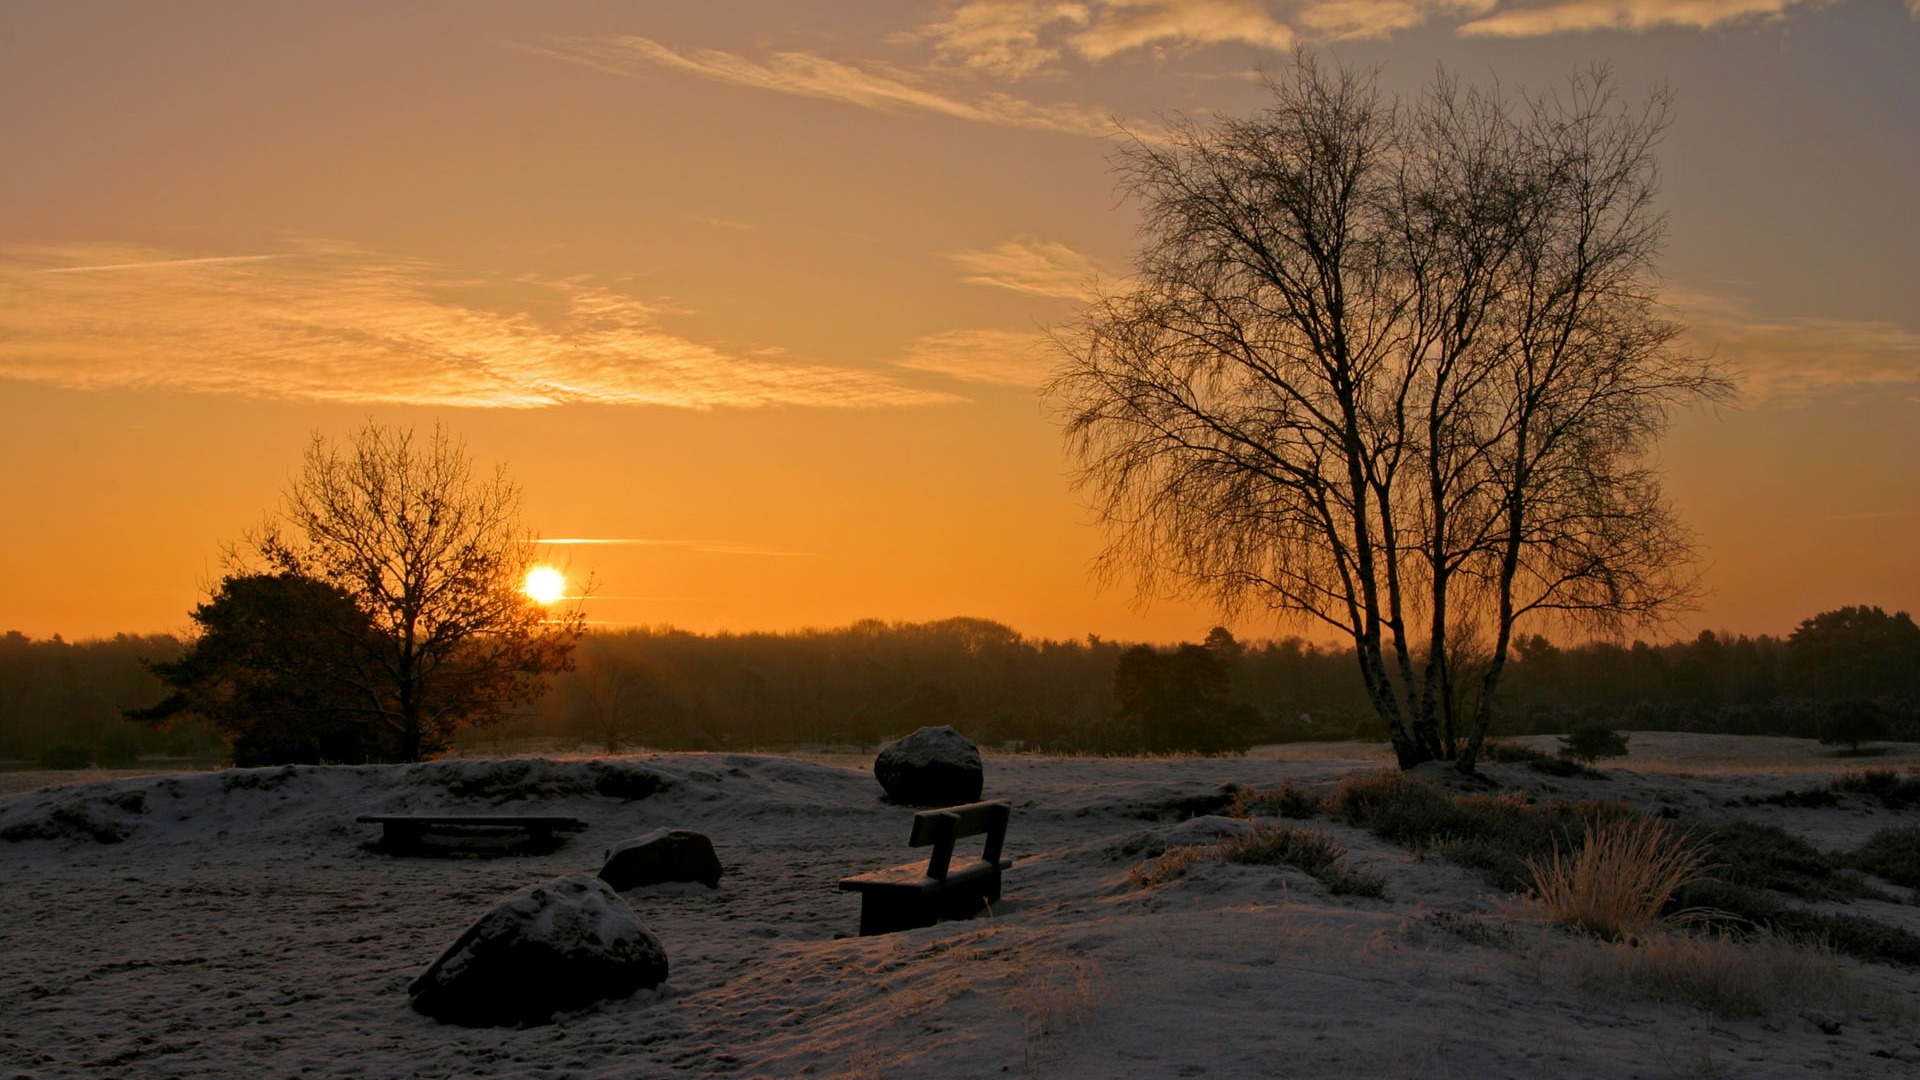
659, 856
551, 947
935, 766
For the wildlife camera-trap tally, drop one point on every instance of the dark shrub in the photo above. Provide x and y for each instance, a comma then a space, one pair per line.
1895, 792
1760, 856
1852, 721
1892, 853
1495, 834
1592, 741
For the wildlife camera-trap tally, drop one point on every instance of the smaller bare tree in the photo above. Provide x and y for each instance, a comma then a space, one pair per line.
437, 559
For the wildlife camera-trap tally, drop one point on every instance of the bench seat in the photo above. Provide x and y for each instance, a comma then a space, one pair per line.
408, 832
919, 894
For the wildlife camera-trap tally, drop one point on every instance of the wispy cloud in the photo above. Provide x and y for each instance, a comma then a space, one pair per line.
331, 323
1570, 16
1789, 361
158, 264
1035, 267
1119, 26
1016, 38
1005, 37
870, 86
1019, 38
991, 357
1345, 19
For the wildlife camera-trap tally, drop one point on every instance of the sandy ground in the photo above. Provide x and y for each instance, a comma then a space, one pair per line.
239, 925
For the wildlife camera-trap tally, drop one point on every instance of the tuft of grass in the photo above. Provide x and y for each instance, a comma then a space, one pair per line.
1618, 882
1288, 800
1308, 850
1893, 853
1052, 999
1726, 977
1169, 865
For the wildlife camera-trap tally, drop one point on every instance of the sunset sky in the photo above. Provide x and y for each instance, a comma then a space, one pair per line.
751, 293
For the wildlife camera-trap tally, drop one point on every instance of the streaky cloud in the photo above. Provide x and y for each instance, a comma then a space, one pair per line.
331, 323
1016, 358
875, 86
1004, 37
1793, 360
159, 264
1572, 16
1127, 25
1017, 39
1355, 19
1032, 266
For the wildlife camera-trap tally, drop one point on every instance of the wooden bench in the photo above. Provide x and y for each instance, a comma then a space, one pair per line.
913, 894
408, 832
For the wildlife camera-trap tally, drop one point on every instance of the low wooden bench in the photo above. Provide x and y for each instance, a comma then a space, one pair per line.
913, 894
408, 832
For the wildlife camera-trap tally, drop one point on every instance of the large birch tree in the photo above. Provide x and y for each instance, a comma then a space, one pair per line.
1394, 368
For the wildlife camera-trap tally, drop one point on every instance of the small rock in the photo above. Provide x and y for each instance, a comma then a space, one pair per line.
551, 947
935, 766
659, 856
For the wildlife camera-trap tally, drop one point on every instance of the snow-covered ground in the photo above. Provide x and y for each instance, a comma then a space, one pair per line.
237, 924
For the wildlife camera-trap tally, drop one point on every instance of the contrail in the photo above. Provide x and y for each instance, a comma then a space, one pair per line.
159, 263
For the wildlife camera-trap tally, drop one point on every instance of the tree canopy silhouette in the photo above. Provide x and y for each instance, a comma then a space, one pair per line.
281, 670
1393, 367
1855, 650
430, 557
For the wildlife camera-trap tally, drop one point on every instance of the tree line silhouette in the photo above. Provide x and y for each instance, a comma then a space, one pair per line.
65, 702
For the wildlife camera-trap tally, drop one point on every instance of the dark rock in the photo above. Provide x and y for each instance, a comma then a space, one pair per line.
551, 947
659, 856
935, 766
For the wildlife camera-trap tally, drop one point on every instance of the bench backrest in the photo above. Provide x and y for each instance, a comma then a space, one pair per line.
942, 827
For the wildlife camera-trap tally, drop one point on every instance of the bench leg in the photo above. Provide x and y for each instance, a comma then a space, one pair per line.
402, 835
886, 913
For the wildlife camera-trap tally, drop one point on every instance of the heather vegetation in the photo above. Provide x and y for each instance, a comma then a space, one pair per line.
1606, 868
669, 689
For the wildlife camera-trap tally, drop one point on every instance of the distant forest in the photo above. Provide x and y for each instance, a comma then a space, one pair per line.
61, 702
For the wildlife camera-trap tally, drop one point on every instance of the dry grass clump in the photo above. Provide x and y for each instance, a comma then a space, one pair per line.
1618, 882
1723, 976
1053, 998
1309, 850
1288, 800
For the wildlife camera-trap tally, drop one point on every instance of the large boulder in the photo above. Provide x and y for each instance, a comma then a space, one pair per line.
935, 766
660, 856
551, 947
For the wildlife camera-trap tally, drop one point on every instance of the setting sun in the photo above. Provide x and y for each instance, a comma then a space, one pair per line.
545, 584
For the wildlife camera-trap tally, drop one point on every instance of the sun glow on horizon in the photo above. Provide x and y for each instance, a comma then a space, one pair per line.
545, 585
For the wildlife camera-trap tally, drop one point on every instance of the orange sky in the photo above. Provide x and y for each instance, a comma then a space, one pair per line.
756, 288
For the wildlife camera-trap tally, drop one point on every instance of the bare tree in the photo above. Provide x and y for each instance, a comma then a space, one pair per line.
608, 686
437, 558
1392, 367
